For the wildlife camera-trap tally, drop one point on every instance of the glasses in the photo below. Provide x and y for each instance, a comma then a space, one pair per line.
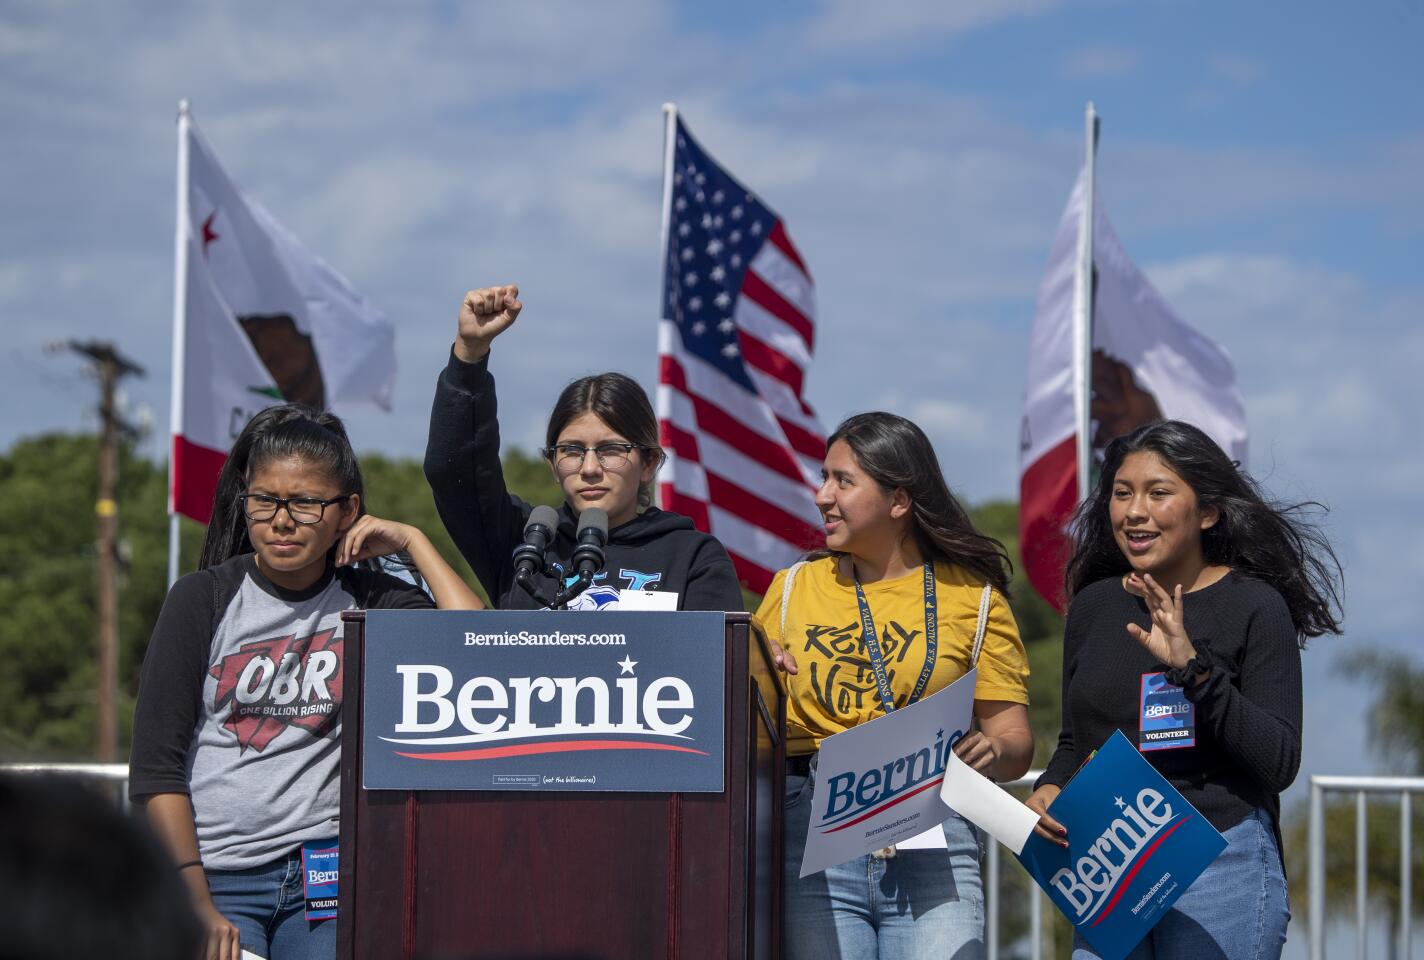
568, 457
259, 506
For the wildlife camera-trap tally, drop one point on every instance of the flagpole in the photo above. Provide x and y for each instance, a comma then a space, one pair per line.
1083, 308
180, 326
669, 153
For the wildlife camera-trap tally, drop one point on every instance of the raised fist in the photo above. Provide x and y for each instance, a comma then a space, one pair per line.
485, 314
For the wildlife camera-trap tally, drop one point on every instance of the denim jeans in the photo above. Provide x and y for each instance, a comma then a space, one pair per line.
268, 905
1236, 910
918, 903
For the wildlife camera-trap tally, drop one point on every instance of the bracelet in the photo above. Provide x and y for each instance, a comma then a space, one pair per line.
190, 863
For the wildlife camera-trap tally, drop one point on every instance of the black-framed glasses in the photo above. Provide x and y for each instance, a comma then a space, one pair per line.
568, 457
260, 506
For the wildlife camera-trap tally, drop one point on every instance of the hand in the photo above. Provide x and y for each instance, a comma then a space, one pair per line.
373, 537
1049, 829
1168, 640
782, 658
222, 941
981, 753
485, 314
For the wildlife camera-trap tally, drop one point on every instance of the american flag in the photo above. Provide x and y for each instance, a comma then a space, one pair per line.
735, 341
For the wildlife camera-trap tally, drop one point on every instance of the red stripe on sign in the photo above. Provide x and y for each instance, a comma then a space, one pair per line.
886, 806
780, 239
558, 746
195, 479
765, 296
1048, 493
1125, 881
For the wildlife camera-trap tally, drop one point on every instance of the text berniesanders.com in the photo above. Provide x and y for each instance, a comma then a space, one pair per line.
525, 638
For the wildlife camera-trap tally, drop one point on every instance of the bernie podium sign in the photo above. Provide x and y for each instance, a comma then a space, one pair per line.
543, 700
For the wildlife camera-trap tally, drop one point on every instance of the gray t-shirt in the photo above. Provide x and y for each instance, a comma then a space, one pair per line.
239, 705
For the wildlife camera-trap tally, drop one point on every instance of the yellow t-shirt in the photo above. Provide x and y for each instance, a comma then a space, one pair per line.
834, 688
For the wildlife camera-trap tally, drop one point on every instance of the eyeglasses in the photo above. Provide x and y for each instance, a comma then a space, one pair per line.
568, 457
259, 506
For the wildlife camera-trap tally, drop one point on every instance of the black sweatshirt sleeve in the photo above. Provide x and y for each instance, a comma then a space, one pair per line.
711, 580
1065, 760
463, 468
170, 687
1258, 723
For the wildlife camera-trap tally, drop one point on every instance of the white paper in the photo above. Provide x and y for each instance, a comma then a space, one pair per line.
987, 805
856, 807
646, 600
931, 839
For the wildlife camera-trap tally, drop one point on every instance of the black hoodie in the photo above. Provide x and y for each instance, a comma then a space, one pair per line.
656, 550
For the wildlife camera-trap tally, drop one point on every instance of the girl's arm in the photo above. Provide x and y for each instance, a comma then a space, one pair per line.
1002, 747
171, 817
373, 537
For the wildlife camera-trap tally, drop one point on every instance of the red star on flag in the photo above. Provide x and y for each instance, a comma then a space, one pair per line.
209, 234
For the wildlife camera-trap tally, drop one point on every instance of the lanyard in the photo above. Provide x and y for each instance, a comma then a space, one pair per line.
872, 642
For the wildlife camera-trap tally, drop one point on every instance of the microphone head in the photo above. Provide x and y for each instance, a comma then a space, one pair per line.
546, 517
594, 520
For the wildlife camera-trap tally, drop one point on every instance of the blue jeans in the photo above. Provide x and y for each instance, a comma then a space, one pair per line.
918, 903
268, 906
1236, 910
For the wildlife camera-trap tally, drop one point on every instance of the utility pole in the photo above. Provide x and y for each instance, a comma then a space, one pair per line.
109, 367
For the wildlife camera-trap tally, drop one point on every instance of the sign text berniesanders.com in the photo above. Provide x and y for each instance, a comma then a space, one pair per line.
544, 700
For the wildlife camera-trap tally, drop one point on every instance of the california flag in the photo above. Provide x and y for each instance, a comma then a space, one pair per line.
1147, 365
258, 320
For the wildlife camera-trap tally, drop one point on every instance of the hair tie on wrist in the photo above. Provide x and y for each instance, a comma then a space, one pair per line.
190, 863
1183, 677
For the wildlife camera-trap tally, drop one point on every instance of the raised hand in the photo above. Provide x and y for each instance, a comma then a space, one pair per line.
1167, 640
485, 314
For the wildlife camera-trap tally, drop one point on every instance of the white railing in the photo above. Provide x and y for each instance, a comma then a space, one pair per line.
1405, 787
115, 774
1036, 898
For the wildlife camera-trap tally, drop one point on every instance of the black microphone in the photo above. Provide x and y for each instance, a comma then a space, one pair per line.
538, 532
592, 535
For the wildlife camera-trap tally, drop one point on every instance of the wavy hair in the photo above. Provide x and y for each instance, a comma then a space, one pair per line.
896, 454
289, 430
1278, 544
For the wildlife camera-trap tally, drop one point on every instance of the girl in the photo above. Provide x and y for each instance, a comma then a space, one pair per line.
234, 780
902, 548
1216, 589
602, 446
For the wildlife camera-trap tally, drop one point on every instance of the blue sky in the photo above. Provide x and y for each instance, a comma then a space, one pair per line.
1260, 162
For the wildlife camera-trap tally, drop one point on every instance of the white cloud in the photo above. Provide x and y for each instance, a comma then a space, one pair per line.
852, 25
1101, 62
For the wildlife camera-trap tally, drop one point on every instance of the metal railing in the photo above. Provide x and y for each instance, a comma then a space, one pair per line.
992, 878
113, 775
1361, 787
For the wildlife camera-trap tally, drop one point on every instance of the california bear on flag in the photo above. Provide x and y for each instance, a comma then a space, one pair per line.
1134, 846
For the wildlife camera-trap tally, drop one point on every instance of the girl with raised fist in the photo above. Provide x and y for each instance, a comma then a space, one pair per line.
1191, 598
602, 447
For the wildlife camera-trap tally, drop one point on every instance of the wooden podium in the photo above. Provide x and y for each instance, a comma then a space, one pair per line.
479, 875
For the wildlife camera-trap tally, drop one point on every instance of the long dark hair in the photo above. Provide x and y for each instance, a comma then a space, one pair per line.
897, 455
618, 401
1274, 543
290, 430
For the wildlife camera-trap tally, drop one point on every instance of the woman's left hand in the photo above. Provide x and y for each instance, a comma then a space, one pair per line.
978, 751
1167, 641
373, 537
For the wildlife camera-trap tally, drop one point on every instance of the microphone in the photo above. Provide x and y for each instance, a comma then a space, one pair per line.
538, 533
592, 535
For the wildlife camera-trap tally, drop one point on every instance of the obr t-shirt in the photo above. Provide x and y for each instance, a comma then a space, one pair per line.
834, 688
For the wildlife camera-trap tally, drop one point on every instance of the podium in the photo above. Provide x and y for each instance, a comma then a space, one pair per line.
484, 874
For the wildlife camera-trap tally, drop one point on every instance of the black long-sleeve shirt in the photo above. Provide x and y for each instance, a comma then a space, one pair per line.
656, 550
1248, 711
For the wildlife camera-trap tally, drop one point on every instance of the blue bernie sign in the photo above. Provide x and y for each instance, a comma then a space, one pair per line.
543, 700
1134, 846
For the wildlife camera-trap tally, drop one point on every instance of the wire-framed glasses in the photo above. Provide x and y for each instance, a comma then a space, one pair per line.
568, 457
260, 506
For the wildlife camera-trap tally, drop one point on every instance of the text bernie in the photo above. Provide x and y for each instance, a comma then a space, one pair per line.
1092, 878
